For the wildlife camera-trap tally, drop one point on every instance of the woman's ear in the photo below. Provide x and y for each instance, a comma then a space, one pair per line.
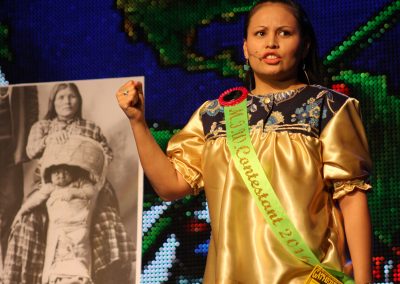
245, 51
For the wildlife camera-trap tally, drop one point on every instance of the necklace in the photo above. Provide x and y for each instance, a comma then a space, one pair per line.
282, 96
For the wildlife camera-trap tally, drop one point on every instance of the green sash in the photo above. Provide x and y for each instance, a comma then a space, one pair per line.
250, 169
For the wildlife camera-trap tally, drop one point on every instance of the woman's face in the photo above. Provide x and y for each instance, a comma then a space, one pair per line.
66, 104
274, 45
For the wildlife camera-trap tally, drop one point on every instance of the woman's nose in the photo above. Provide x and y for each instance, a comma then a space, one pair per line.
271, 42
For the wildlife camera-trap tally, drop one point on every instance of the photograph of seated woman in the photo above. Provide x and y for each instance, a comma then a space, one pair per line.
50, 212
309, 141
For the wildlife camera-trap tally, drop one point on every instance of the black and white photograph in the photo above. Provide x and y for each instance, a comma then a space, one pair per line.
71, 185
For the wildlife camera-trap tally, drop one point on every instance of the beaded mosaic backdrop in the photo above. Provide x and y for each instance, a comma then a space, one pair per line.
190, 51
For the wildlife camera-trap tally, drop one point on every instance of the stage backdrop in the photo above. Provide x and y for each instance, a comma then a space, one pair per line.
190, 51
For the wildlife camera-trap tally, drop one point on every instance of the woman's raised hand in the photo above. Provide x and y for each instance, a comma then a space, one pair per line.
59, 137
131, 100
167, 182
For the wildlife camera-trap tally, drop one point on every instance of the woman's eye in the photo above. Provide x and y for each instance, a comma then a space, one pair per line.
260, 33
284, 33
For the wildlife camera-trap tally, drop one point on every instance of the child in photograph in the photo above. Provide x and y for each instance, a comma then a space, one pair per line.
76, 249
70, 198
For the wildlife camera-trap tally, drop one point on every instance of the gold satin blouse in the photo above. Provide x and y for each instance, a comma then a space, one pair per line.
312, 145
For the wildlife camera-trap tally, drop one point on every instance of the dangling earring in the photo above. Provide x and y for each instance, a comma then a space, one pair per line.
249, 74
305, 73
246, 66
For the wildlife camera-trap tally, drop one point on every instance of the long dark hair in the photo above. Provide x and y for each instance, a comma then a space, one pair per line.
311, 62
51, 112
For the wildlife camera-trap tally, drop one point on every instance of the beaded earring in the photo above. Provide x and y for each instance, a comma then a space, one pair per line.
246, 66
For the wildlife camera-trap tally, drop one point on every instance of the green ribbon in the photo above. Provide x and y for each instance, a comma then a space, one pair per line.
253, 175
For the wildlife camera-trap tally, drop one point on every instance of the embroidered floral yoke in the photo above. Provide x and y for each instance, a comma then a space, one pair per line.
313, 148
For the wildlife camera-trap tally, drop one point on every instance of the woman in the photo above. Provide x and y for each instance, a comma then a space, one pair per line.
112, 250
63, 118
310, 142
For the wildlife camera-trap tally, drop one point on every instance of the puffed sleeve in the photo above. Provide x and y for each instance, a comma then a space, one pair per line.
185, 150
346, 160
36, 139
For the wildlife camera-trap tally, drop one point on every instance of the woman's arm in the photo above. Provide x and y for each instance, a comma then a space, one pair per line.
354, 207
166, 181
37, 139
